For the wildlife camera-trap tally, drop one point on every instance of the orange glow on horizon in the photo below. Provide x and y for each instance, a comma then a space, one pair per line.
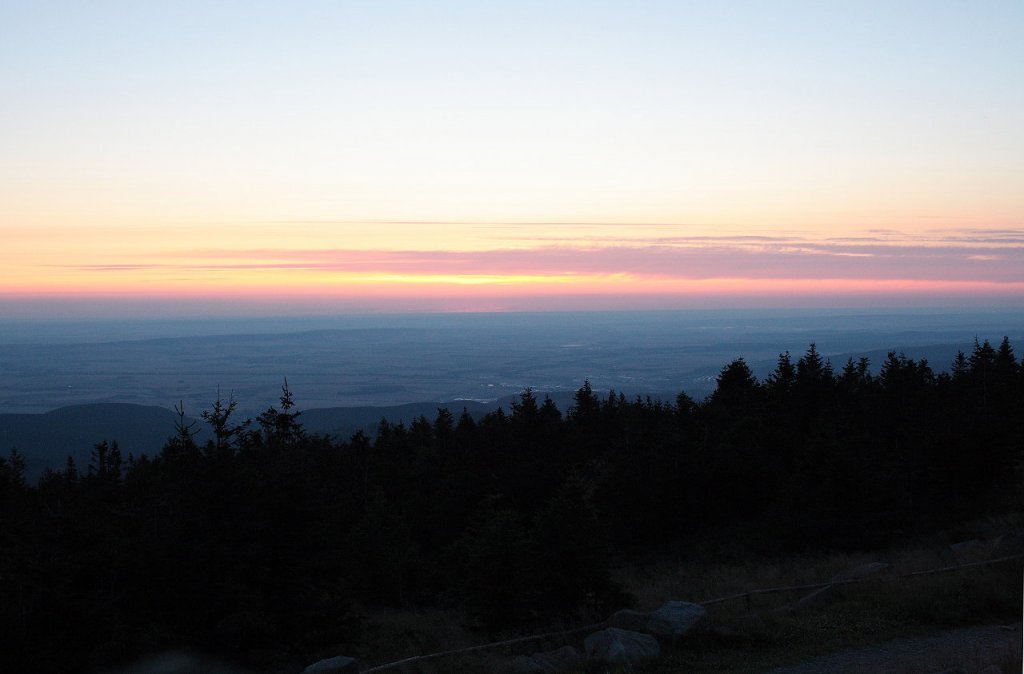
489, 263
257, 285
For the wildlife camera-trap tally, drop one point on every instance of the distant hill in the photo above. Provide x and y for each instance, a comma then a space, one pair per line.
343, 422
47, 439
939, 357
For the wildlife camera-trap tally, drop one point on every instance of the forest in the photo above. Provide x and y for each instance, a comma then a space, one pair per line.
263, 545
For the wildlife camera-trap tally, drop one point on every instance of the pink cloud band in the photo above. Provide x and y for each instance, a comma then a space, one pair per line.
694, 259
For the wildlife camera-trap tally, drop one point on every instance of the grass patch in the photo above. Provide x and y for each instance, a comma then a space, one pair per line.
764, 633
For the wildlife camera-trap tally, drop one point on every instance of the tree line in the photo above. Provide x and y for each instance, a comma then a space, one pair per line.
264, 543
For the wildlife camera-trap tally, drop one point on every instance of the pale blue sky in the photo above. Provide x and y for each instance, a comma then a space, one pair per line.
503, 99
203, 121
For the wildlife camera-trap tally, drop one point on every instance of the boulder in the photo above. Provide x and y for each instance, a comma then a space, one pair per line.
675, 618
620, 646
338, 665
967, 550
628, 619
862, 571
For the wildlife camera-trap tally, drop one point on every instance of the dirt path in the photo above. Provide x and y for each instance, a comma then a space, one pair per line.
972, 648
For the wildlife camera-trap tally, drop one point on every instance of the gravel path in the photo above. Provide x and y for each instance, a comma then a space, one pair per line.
971, 647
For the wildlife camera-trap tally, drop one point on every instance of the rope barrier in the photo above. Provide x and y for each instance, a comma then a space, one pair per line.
709, 602
854, 581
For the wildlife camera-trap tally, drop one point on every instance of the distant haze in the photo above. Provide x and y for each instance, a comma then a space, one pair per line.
397, 359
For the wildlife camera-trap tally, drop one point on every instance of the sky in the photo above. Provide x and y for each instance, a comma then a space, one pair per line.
317, 157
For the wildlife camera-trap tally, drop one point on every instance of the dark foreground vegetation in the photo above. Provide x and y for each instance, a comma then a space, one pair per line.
264, 545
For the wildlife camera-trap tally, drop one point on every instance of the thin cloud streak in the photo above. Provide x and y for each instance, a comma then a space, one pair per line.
949, 235
703, 258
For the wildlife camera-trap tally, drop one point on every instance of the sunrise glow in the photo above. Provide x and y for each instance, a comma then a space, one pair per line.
447, 157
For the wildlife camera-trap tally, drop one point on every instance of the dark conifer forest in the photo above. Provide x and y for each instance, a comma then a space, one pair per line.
265, 544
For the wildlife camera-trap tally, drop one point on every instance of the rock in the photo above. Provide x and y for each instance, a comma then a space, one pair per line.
675, 618
991, 669
621, 646
965, 550
338, 665
953, 670
550, 661
862, 571
1008, 545
628, 619
965, 545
